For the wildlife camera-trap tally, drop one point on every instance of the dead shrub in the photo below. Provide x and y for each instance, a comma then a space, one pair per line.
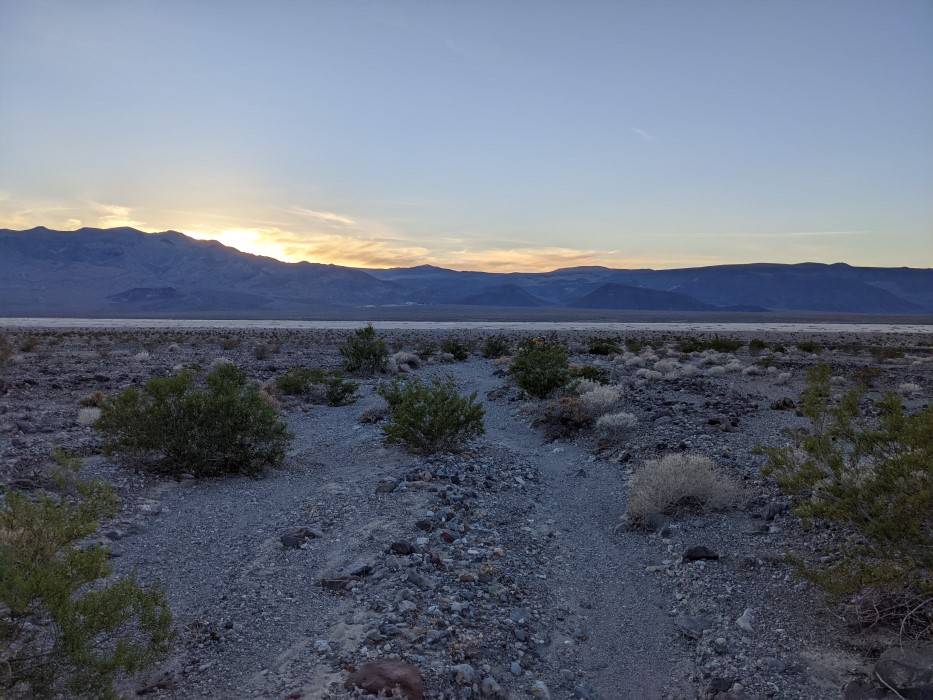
564, 418
678, 481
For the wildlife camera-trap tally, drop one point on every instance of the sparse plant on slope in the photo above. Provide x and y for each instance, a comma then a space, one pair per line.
431, 417
59, 627
364, 352
227, 428
540, 367
873, 477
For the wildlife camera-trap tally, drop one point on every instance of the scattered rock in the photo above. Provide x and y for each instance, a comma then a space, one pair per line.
386, 486
745, 621
693, 627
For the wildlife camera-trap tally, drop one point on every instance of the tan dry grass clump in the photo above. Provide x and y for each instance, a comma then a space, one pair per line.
680, 481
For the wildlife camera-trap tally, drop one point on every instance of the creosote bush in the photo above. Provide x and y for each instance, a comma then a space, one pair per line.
873, 476
590, 372
6, 352
678, 481
540, 367
364, 352
317, 385
456, 347
60, 628
175, 426
603, 346
692, 343
496, 346
431, 417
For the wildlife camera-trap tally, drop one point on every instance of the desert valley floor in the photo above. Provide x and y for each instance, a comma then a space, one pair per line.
504, 570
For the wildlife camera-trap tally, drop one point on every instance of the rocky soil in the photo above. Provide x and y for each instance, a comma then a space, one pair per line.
506, 570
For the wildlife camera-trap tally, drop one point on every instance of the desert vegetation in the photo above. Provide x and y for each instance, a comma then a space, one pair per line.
424, 500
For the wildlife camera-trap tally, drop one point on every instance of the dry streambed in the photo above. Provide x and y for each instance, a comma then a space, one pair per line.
499, 572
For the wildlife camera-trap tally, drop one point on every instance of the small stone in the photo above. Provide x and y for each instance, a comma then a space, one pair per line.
585, 691
463, 674
746, 620
322, 647
693, 627
540, 690
489, 687
402, 548
387, 487
425, 525
773, 664
699, 553
515, 668
360, 569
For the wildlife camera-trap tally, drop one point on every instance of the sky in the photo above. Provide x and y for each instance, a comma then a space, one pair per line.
485, 135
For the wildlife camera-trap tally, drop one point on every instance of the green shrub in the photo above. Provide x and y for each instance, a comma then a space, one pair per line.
884, 353
364, 352
591, 372
425, 349
809, 346
604, 346
178, 427
540, 367
633, 344
230, 342
697, 344
59, 626
756, 345
496, 346
431, 417
874, 478
456, 347
319, 385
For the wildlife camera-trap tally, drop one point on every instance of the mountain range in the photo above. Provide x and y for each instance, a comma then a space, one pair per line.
125, 272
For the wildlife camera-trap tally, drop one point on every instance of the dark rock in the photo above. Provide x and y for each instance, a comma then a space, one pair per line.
360, 569
402, 548
863, 690
291, 541
337, 584
387, 487
653, 522
773, 509
699, 552
719, 684
908, 670
25, 427
693, 627
388, 678
783, 404
425, 525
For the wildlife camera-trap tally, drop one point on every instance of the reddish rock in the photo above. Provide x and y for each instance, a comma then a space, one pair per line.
391, 678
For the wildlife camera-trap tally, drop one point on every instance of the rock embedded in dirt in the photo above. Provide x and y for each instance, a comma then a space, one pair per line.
698, 553
388, 677
908, 670
693, 627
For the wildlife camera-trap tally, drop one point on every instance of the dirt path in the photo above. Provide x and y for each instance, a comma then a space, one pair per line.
596, 577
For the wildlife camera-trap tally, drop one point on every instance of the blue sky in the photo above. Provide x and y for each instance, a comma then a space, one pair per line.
479, 135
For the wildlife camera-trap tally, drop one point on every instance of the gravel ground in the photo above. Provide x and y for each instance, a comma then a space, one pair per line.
502, 571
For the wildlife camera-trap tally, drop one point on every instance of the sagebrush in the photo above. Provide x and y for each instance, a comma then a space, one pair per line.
679, 481
317, 385
60, 628
431, 417
174, 425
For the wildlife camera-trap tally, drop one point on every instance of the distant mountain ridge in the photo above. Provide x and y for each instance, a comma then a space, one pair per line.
115, 272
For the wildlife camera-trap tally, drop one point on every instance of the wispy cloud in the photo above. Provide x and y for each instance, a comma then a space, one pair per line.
328, 216
114, 216
788, 234
644, 134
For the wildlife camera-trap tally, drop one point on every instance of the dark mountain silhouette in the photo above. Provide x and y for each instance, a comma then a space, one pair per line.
621, 296
44, 272
125, 272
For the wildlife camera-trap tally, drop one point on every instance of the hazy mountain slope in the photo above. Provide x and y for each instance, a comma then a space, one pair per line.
620, 296
43, 271
503, 295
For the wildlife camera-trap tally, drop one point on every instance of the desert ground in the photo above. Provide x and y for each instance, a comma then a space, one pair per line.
506, 569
